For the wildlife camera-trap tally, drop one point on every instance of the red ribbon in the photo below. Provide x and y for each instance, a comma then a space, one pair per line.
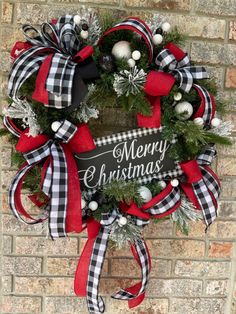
40, 93
81, 142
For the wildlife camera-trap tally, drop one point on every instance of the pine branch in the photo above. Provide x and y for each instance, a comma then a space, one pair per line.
122, 191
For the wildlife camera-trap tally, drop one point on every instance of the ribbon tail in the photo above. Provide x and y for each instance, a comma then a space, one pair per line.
153, 121
94, 301
14, 194
74, 214
81, 275
136, 293
59, 192
205, 201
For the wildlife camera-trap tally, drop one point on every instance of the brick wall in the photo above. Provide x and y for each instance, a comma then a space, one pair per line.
194, 274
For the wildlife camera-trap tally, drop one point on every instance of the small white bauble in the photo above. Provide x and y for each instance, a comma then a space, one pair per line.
55, 126
77, 19
174, 182
215, 122
177, 96
145, 193
162, 184
83, 203
121, 49
198, 121
131, 63
165, 27
136, 55
84, 34
157, 39
122, 221
93, 206
184, 109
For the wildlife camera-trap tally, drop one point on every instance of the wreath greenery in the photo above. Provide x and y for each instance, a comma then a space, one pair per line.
124, 63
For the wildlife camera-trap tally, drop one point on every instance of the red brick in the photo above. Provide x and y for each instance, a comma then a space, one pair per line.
220, 249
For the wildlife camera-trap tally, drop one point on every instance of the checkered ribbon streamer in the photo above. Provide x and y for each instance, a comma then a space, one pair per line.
136, 25
94, 301
204, 183
183, 72
55, 183
60, 43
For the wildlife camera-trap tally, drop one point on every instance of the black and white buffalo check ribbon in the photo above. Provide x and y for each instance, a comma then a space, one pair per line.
55, 183
207, 187
136, 25
94, 301
183, 72
61, 42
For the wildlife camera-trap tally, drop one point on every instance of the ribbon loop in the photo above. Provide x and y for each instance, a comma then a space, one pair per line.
55, 82
202, 186
57, 178
183, 72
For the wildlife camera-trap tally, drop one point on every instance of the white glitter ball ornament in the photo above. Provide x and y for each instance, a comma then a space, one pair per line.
136, 55
177, 96
174, 182
215, 122
162, 184
93, 206
198, 121
55, 126
131, 63
84, 34
166, 27
157, 39
145, 193
121, 49
184, 109
122, 221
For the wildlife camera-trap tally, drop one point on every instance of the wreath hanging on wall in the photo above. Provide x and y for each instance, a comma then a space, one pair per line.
61, 76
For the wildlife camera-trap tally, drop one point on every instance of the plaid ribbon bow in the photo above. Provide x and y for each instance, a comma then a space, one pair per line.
55, 181
202, 187
54, 50
94, 301
183, 72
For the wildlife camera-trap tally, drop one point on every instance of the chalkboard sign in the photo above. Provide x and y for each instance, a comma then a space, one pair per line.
139, 154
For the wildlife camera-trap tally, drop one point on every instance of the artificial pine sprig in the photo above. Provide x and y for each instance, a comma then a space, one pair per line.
121, 191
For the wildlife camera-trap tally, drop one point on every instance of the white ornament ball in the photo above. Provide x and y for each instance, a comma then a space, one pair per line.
93, 206
177, 96
162, 184
131, 63
121, 49
55, 126
165, 27
198, 121
184, 109
83, 203
77, 19
215, 122
145, 193
157, 39
174, 182
122, 221
84, 34
136, 55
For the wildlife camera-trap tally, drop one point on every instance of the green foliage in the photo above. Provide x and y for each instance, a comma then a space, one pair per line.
121, 191
135, 103
155, 188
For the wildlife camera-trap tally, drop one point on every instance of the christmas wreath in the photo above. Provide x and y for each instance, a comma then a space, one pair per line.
61, 77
